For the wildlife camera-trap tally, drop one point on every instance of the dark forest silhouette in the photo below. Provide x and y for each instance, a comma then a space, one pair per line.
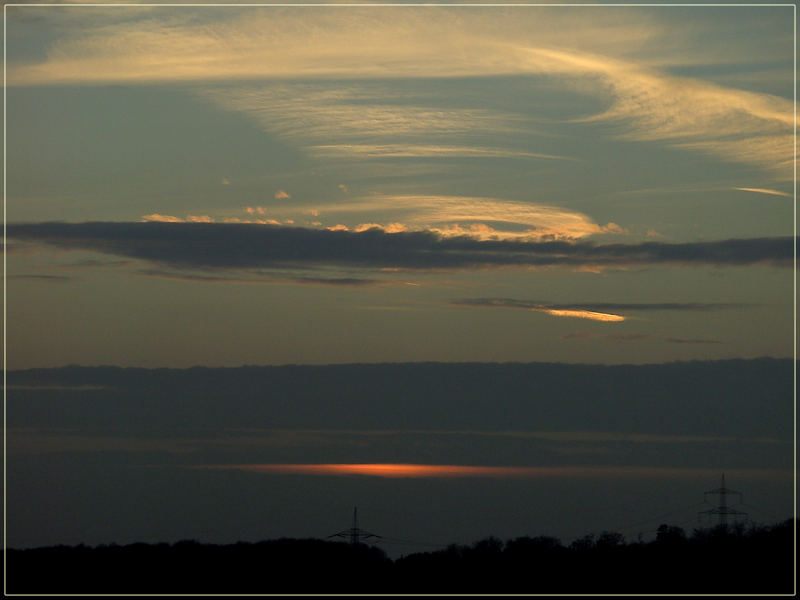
733, 559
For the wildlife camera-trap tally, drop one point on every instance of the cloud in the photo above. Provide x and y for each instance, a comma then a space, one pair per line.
478, 217
282, 195
572, 312
75, 388
237, 220
582, 314
427, 151
368, 120
43, 278
251, 210
568, 398
263, 279
691, 341
612, 59
732, 124
240, 245
41, 440
646, 105
764, 191
388, 228
157, 218
633, 337
598, 306
618, 337
405, 470
325, 436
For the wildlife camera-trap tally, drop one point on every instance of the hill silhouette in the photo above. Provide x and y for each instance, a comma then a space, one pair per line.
733, 559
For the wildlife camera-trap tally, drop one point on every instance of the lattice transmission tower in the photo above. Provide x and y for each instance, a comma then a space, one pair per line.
355, 533
723, 510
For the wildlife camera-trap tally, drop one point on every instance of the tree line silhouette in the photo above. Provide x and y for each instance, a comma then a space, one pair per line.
757, 559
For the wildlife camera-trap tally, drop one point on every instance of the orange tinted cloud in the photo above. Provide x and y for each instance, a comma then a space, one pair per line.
770, 192
389, 228
583, 314
162, 218
406, 470
483, 218
392, 470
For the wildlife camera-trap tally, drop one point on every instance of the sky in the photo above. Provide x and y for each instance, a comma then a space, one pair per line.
224, 186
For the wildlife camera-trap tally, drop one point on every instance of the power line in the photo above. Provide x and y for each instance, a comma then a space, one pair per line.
412, 542
763, 511
661, 516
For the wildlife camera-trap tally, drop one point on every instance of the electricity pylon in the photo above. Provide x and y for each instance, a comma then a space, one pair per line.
354, 533
723, 510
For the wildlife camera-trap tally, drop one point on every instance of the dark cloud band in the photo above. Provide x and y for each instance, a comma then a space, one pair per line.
596, 306
216, 245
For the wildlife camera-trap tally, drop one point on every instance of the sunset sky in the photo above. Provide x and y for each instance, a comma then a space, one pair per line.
221, 186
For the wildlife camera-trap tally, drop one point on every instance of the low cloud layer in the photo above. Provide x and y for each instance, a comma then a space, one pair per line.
207, 245
596, 306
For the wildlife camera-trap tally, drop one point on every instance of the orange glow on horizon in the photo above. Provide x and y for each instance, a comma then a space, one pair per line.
388, 470
405, 470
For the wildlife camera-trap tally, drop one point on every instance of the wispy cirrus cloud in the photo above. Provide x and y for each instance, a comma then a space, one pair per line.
611, 59
769, 192
732, 124
364, 114
427, 151
361, 117
247, 246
